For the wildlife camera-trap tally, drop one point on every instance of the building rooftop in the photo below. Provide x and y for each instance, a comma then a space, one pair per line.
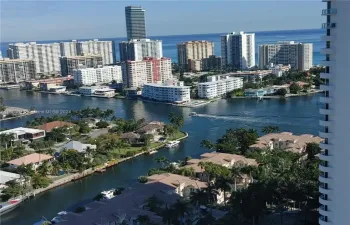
21, 131
130, 135
48, 127
7, 176
80, 147
165, 85
150, 127
295, 143
175, 180
29, 159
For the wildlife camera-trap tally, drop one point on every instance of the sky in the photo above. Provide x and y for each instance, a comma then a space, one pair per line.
66, 19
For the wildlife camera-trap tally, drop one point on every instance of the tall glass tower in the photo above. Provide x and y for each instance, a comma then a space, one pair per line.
135, 22
335, 156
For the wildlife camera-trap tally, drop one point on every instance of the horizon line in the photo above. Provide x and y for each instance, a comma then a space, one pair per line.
149, 37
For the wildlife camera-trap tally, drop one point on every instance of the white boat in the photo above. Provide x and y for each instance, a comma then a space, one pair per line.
108, 194
10, 205
172, 144
193, 114
153, 152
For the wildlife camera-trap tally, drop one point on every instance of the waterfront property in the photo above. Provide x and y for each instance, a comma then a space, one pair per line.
6, 177
43, 84
58, 89
223, 159
89, 76
78, 146
154, 128
171, 91
149, 70
218, 86
16, 70
34, 159
68, 64
255, 93
285, 141
25, 134
99, 91
48, 127
297, 55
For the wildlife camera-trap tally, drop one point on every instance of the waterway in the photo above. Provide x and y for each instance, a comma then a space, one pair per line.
298, 115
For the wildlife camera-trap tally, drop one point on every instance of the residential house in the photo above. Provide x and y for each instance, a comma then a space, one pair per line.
6, 177
285, 141
48, 127
34, 159
130, 137
24, 134
155, 128
78, 146
223, 159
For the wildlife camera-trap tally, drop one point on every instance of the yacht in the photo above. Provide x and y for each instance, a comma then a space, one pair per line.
172, 144
10, 205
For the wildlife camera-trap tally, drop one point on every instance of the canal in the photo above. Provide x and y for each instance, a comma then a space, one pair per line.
298, 115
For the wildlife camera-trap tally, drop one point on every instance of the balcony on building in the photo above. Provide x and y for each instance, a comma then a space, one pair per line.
328, 25
325, 75
325, 123
328, 37
324, 111
326, 12
326, 51
326, 100
327, 63
324, 167
324, 87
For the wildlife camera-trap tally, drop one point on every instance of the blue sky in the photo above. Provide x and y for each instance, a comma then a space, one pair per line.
66, 19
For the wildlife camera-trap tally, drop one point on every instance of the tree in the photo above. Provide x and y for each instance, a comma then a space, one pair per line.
312, 149
6, 138
177, 121
224, 184
270, 129
282, 92
169, 130
44, 169
207, 144
102, 124
294, 88
39, 181
146, 139
143, 179
153, 204
199, 197
13, 190
163, 161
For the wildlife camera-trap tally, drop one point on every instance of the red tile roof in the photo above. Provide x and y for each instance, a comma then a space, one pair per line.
29, 159
48, 127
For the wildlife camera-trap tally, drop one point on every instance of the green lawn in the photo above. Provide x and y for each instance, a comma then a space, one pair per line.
177, 135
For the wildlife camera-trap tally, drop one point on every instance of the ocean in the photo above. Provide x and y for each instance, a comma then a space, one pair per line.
261, 37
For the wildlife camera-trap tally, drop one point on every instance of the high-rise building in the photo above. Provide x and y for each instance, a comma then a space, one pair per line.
45, 56
105, 74
16, 70
96, 47
138, 49
68, 64
193, 50
69, 48
297, 55
149, 70
135, 22
335, 110
238, 50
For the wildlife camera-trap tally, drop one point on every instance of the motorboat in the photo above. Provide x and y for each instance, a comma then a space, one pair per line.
152, 152
10, 205
109, 194
193, 114
172, 144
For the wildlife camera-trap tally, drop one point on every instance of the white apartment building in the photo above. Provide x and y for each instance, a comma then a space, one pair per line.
335, 110
89, 76
135, 50
238, 50
174, 92
69, 49
45, 56
16, 70
149, 70
297, 55
96, 47
217, 86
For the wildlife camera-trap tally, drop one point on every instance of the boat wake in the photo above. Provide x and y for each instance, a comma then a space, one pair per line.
251, 118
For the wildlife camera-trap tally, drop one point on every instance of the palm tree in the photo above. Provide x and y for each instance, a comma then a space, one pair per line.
143, 220
5, 139
235, 174
224, 184
199, 197
162, 160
